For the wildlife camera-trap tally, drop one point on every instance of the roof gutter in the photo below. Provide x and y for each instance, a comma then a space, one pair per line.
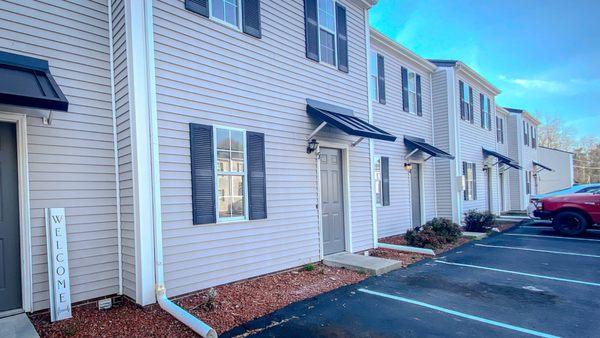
176, 311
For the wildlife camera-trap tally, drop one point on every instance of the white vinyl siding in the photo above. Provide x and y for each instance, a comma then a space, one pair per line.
209, 74
396, 218
71, 162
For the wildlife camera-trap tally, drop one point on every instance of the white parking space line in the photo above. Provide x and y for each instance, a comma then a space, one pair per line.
549, 227
559, 237
520, 273
537, 250
459, 314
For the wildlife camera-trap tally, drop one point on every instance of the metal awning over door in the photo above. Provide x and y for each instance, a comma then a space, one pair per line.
344, 120
501, 158
27, 82
415, 144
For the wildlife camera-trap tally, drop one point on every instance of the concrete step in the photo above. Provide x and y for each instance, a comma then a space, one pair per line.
361, 263
17, 326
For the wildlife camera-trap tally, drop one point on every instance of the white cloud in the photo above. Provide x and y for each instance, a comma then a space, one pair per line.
566, 87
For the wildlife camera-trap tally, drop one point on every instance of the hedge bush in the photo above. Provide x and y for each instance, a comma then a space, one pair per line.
478, 221
434, 234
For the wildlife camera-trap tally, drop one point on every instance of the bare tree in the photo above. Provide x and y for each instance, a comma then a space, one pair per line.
553, 133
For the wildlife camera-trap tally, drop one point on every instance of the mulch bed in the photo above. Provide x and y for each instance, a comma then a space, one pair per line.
231, 305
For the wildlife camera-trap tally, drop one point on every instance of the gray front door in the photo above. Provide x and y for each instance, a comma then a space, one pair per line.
10, 254
415, 194
332, 201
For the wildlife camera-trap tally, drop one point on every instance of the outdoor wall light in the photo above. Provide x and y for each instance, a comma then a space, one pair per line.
486, 167
312, 146
408, 166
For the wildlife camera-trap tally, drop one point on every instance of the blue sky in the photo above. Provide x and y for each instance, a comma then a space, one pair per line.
544, 55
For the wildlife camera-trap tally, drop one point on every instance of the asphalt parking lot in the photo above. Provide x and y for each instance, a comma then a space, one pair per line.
526, 282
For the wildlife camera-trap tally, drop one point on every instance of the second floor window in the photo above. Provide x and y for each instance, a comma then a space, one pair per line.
526, 133
486, 114
226, 11
533, 137
373, 77
327, 41
466, 101
412, 92
499, 129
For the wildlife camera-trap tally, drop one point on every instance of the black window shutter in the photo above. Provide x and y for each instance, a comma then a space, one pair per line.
257, 184
461, 91
251, 17
381, 78
404, 73
489, 114
203, 175
466, 191
342, 37
481, 111
197, 6
385, 181
311, 29
471, 113
474, 181
419, 97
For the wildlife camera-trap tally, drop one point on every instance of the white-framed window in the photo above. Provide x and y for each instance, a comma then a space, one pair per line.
485, 113
226, 11
470, 183
528, 182
378, 181
230, 172
526, 133
373, 77
465, 102
327, 32
500, 129
412, 92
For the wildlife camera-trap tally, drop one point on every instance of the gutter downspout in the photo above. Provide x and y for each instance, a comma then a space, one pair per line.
176, 311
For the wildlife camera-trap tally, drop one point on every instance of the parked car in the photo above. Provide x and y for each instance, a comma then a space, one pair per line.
570, 214
576, 189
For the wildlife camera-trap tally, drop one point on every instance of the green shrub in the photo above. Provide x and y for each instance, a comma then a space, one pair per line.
309, 267
478, 221
434, 234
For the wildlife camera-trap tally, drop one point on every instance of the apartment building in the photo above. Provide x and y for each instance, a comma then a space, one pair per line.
503, 180
202, 142
464, 126
561, 176
400, 94
523, 148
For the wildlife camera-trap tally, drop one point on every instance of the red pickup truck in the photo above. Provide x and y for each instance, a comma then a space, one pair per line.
570, 214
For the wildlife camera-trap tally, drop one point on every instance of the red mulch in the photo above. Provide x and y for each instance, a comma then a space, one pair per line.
405, 257
233, 305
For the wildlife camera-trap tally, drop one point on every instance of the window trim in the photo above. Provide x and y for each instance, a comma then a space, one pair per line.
237, 27
487, 114
499, 129
377, 158
468, 116
220, 219
335, 57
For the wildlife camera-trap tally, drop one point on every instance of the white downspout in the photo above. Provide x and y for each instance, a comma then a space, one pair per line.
176, 311
115, 147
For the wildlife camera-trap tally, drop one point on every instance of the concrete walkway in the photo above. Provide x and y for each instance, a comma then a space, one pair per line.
367, 264
17, 326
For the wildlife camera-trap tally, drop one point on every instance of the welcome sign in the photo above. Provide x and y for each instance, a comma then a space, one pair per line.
58, 264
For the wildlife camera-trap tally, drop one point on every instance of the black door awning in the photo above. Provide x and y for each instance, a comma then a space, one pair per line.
27, 82
416, 143
501, 158
537, 164
344, 120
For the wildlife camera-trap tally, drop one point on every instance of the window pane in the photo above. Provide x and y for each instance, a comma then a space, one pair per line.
237, 140
217, 9
231, 12
412, 102
326, 10
373, 64
378, 182
224, 186
237, 185
237, 161
412, 85
465, 92
373, 89
224, 207
237, 206
223, 139
223, 161
327, 47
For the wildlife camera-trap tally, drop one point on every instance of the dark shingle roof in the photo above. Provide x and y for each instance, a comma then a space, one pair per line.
514, 110
443, 63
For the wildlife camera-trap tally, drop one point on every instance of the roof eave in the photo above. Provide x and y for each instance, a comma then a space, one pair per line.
478, 78
402, 51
